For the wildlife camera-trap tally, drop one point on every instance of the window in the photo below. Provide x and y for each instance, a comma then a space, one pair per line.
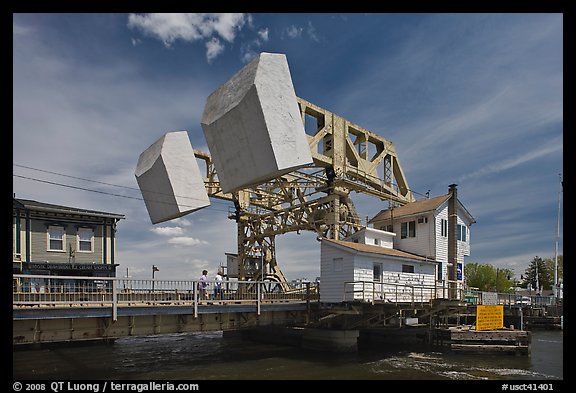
85, 237
444, 227
407, 269
462, 232
337, 264
377, 242
377, 272
55, 238
408, 229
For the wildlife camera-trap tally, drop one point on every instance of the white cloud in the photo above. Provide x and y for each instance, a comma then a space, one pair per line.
190, 27
294, 32
247, 51
167, 231
186, 241
297, 31
514, 162
21, 30
182, 222
263, 34
311, 31
247, 54
213, 49
226, 24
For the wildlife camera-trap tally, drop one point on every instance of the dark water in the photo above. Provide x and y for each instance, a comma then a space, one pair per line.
210, 356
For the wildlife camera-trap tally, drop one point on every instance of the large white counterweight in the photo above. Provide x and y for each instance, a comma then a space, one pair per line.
169, 178
253, 125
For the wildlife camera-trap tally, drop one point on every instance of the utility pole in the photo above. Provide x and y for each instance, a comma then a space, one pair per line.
127, 278
537, 281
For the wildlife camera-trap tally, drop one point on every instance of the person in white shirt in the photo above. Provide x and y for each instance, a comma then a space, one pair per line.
203, 285
218, 293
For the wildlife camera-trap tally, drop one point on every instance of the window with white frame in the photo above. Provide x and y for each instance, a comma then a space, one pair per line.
462, 232
85, 239
55, 238
377, 272
408, 229
444, 228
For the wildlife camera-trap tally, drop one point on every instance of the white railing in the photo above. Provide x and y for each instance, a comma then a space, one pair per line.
43, 290
387, 292
512, 299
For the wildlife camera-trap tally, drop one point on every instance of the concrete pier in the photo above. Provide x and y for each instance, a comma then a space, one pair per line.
328, 340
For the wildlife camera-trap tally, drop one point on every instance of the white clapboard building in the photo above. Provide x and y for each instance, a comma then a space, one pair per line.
404, 257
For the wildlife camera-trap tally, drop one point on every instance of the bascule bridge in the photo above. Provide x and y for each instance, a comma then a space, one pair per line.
287, 165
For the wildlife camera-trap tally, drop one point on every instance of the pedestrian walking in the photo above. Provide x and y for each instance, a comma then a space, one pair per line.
203, 285
218, 293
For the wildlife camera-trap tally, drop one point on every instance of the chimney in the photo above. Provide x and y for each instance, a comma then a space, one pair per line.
452, 241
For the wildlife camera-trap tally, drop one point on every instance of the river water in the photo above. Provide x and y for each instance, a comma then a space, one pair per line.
211, 356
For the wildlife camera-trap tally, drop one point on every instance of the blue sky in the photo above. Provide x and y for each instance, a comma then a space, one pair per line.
471, 99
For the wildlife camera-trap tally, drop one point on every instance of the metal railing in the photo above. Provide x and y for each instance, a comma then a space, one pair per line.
53, 291
512, 299
388, 292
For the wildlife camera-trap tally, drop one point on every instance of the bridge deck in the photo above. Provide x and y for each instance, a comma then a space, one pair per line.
53, 312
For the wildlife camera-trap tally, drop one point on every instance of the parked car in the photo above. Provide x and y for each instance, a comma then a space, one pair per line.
524, 300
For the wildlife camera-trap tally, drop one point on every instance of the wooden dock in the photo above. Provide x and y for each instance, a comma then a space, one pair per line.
542, 322
466, 339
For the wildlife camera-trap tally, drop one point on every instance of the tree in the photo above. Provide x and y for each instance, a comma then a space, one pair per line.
487, 278
504, 282
538, 275
550, 266
478, 275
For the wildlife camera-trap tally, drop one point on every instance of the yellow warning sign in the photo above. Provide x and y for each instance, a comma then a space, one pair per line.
489, 317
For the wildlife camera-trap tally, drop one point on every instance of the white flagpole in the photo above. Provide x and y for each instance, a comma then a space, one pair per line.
557, 240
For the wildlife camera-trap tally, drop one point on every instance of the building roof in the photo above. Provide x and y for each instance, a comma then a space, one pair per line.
368, 248
47, 207
418, 207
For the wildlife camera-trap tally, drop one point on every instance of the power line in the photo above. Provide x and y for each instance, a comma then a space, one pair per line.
75, 177
107, 184
102, 192
121, 186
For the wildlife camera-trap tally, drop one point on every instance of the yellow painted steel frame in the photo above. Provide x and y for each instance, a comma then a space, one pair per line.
315, 198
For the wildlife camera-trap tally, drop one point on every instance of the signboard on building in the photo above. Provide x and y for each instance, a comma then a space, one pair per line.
489, 317
459, 271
